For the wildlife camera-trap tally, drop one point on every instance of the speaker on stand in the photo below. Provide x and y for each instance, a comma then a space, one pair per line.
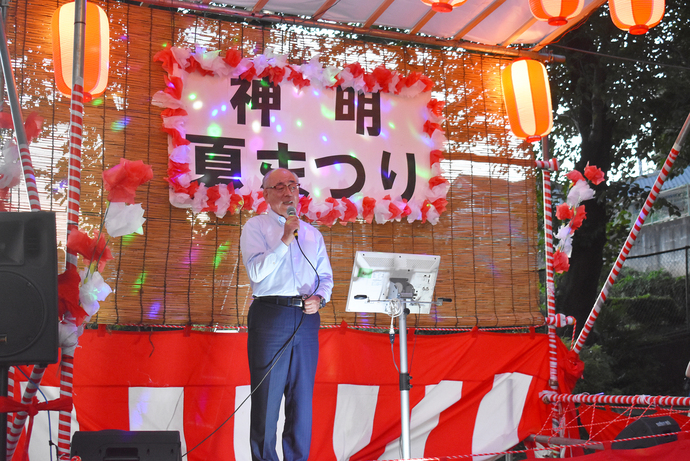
115, 445
28, 295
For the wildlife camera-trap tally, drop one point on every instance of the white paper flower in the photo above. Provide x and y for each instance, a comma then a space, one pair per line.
11, 166
92, 290
122, 219
579, 193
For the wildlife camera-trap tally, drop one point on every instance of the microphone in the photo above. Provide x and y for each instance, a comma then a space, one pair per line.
292, 211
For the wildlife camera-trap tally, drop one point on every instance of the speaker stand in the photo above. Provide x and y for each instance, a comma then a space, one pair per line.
4, 376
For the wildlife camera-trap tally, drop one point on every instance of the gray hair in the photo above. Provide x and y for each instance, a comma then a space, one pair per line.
263, 181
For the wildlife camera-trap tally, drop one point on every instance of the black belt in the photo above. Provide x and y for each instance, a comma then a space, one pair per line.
287, 301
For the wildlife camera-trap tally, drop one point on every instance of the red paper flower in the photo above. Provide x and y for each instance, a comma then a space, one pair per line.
560, 262
383, 77
167, 58
369, 82
275, 74
304, 202
440, 205
249, 74
350, 214
580, 216
298, 79
6, 121
564, 212
212, 194
575, 176
426, 207
436, 107
33, 126
121, 181
329, 218
91, 249
68, 295
236, 202
407, 211
173, 86
394, 211
594, 174
176, 169
430, 127
195, 66
436, 156
177, 139
233, 57
248, 202
173, 112
436, 180
368, 205
355, 69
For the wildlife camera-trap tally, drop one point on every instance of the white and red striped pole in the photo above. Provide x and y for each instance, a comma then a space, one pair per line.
15, 430
651, 198
73, 207
547, 166
17, 120
599, 399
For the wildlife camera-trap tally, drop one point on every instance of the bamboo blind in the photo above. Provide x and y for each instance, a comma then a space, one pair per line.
186, 269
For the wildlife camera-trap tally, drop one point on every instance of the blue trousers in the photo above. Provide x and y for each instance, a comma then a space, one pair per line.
270, 327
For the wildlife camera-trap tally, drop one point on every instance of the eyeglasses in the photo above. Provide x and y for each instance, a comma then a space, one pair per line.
280, 187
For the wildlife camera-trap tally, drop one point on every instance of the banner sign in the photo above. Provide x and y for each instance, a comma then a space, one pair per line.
472, 392
363, 145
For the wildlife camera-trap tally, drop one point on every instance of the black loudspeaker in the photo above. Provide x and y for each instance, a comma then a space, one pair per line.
647, 425
28, 288
114, 445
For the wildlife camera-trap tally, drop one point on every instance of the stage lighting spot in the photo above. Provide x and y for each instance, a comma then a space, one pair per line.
214, 130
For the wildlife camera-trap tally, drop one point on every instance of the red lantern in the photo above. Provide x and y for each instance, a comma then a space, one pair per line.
527, 97
443, 6
556, 12
636, 16
96, 49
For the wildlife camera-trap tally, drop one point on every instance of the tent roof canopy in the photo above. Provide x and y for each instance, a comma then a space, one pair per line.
496, 26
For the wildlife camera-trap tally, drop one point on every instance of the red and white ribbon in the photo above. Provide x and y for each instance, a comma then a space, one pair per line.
15, 429
550, 165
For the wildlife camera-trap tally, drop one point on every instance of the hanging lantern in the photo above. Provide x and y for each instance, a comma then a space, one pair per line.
96, 49
556, 12
443, 6
636, 16
527, 97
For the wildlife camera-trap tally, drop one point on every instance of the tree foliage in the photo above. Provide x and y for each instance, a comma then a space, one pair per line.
619, 98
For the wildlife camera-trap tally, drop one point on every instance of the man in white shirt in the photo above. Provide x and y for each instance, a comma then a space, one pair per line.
291, 279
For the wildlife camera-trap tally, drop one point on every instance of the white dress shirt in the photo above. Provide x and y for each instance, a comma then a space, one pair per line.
276, 269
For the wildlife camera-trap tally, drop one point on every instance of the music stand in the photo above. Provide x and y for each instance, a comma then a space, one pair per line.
395, 284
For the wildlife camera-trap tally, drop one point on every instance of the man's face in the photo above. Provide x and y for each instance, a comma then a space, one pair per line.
281, 191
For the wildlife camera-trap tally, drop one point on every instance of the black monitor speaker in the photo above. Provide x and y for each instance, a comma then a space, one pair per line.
646, 426
115, 445
28, 288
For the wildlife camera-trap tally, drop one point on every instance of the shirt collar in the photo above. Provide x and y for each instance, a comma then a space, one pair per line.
276, 216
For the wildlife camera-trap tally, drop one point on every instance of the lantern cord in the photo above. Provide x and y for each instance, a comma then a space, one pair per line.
620, 58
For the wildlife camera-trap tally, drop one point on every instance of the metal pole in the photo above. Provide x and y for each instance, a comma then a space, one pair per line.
19, 133
404, 386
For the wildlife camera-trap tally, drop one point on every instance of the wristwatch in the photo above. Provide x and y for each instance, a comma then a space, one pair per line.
322, 302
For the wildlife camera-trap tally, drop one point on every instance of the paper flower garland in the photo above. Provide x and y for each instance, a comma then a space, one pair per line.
573, 214
122, 217
185, 189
